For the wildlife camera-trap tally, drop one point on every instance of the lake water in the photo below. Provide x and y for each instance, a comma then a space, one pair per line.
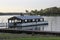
53, 22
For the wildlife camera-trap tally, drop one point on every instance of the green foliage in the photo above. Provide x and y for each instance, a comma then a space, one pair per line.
52, 11
8, 36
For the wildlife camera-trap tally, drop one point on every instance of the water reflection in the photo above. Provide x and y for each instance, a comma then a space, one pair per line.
54, 23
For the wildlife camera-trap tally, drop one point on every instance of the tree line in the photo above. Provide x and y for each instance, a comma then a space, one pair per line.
52, 11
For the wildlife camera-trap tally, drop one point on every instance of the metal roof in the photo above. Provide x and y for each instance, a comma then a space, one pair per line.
28, 17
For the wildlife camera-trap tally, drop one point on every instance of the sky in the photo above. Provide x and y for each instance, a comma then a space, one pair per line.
22, 5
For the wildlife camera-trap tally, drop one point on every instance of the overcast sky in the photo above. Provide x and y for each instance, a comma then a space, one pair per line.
22, 5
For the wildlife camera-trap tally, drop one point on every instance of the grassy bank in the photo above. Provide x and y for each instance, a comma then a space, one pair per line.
9, 36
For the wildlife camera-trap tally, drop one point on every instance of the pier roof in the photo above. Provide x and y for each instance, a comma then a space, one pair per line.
27, 17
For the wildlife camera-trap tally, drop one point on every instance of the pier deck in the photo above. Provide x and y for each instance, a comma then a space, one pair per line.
29, 32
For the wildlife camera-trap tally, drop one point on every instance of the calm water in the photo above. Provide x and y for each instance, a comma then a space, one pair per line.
53, 22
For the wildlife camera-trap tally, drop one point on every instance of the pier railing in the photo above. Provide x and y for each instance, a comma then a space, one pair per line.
3, 24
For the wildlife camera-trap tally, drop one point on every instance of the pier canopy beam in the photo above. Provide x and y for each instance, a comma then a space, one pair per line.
14, 20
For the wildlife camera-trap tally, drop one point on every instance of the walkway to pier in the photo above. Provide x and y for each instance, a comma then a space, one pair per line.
29, 32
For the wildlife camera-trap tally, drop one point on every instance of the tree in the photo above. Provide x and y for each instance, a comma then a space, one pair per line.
52, 11
26, 11
34, 11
